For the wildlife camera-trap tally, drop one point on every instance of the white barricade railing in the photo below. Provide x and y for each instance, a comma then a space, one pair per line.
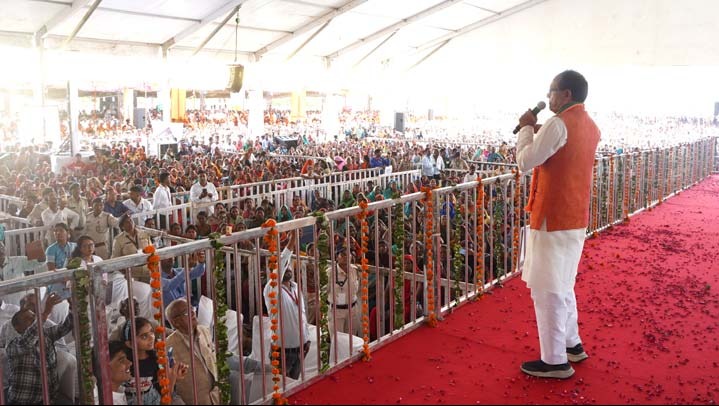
8, 202
280, 197
17, 239
473, 248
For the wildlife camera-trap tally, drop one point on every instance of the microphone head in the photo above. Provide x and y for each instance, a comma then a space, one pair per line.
541, 105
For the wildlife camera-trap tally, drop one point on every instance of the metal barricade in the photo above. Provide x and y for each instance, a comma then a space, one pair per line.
17, 239
364, 278
10, 204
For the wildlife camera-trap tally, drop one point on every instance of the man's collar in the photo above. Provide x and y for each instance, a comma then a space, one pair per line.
568, 106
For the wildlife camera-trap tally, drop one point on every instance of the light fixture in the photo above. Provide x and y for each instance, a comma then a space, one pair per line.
237, 71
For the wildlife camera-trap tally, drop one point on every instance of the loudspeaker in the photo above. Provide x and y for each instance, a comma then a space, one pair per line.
399, 122
237, 73
139, 118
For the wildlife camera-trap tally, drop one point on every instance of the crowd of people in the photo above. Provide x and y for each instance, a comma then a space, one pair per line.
93, 208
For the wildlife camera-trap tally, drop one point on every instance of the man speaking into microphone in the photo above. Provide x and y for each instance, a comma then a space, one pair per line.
562, 156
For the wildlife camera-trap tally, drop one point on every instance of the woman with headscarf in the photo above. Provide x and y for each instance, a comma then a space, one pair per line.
285, 214
347, 200
391, 190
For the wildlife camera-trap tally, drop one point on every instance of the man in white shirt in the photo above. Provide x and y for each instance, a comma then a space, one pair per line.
137, 204
562, 156
78, 204
56, 213
438, 165
162, 199
294, 334
427, 164
471, 176
203, 192
20, 266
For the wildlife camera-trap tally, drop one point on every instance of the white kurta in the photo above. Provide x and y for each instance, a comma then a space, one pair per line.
552, 257
196, 192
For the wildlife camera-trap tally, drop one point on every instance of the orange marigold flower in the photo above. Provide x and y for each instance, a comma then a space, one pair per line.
157, 304
156, 295
166, 400
149, 249
269, 223
160, 330
155, 284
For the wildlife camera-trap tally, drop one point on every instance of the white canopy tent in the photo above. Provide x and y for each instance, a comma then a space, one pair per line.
429, 46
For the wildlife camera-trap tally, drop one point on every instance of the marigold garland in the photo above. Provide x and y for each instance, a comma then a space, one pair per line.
429, 227
457, 261
398, 253
660, 176
364, 264
595, 198
80, 293
153, 265
626, 188
610, 187
323, 253
517, 218
221, 338
270, 239
479, 213
677, 170
650, 180
638, 175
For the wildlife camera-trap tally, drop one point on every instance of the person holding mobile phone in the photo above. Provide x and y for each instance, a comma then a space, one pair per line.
203, 191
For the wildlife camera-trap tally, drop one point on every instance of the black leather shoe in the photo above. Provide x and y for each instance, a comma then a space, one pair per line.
576, 353
543, 370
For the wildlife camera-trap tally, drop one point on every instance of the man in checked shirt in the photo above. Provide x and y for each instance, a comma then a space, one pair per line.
23, 354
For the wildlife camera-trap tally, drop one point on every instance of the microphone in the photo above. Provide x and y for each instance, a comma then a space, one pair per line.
540, 106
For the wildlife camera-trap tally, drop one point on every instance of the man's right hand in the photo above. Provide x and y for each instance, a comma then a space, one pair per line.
53, 299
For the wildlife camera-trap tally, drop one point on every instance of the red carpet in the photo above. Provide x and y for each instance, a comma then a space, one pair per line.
648, 298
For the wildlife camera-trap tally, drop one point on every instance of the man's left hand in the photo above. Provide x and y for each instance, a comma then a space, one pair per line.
528, 118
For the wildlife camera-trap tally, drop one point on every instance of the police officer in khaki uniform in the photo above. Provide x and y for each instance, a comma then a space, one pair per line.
98, 224
78, 204
129, 242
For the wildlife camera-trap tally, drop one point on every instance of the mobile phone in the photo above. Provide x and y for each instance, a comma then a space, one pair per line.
170, 358
204, 190
60, 289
